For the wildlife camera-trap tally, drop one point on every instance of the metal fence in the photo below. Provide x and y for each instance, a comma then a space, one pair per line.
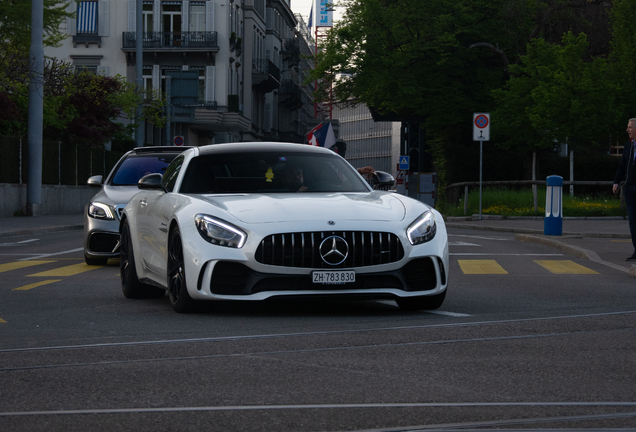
62, 163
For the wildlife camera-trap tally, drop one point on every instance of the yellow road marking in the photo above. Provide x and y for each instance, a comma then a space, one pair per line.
564, 267
481, 267
37, 284
22, 264
2, 321
67, 270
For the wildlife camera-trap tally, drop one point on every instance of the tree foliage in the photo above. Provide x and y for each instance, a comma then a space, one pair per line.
15, 23
79, 107
438, 62
556, 95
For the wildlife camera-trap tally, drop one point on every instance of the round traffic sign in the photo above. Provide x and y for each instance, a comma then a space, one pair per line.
178, 140
481, 121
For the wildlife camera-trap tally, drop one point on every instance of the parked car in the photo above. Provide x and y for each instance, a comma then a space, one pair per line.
101, 215
252, 221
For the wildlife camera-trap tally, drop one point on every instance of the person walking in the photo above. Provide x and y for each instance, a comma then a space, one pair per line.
627, 173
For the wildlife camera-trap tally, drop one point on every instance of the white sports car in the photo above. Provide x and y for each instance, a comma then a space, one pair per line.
250, 221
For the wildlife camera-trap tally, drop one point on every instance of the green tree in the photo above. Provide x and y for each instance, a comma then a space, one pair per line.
437, 62
623, 64
556, 95
80, 107
15, 23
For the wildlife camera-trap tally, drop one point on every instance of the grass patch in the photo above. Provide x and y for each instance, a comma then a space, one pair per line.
520, 202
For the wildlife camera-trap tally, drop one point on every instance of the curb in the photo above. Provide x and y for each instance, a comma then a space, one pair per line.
574, 251
530, 231
40, 230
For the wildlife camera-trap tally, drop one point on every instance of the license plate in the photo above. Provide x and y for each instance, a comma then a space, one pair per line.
333, 277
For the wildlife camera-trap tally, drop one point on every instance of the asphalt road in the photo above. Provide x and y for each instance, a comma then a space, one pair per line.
528, 338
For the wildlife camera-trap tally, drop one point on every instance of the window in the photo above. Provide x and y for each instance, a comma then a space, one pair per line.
197, 16
87, 17
170, 176
148, 17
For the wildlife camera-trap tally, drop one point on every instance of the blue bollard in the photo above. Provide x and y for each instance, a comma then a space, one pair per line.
553, 221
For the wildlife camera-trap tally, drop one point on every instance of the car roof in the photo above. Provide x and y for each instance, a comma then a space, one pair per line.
261, 146
159, 149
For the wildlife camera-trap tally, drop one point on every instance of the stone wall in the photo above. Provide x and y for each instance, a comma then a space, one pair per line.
55, 199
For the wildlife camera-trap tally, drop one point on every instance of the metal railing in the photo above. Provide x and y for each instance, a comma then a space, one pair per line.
157, 40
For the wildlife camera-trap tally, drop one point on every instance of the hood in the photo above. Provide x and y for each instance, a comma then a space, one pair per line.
114, 195
294, 207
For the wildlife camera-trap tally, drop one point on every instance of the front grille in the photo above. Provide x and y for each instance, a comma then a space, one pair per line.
103, 242
302, 249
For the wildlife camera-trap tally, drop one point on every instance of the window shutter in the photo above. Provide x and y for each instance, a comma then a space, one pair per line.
71, 23
209, 84
104, 19
156, 77
185, 16
209, 16
132, 14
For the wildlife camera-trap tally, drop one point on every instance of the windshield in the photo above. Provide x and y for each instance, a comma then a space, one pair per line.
271, 172
137, 166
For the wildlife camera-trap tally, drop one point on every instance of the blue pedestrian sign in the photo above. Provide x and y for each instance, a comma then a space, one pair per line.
404, 163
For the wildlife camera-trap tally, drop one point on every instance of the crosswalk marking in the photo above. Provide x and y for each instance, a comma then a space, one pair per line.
21, 264
37, 284
481, 267
564, 267
67, 270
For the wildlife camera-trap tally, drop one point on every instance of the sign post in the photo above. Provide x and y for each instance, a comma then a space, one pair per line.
481, 133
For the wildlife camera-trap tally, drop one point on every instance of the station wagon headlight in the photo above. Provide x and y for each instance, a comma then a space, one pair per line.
423, 229
219, 232
101, 211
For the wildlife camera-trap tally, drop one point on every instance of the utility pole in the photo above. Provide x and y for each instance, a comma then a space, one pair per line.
36, 109
139, 64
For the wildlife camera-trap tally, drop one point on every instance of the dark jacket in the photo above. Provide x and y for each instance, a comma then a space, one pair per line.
626, 165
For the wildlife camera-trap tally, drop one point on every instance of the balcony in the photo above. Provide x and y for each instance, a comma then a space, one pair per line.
87, 39
265, 75
291, 51
208, 117
170, 41
290, 95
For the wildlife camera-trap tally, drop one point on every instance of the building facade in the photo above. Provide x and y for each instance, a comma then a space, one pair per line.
232, 69
369, 143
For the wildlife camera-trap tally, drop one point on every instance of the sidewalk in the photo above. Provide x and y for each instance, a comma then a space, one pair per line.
606, 241
26, 225
603, 240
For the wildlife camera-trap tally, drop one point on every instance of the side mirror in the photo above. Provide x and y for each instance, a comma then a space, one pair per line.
151, 181
95, 180
383, 180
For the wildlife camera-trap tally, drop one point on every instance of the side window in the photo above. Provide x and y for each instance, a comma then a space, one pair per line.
171, 174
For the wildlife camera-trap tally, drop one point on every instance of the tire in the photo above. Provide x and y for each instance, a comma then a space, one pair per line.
131, 286
180, 300
95, 261
421, 302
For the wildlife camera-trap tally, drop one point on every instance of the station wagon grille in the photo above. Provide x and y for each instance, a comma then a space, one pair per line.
302, 249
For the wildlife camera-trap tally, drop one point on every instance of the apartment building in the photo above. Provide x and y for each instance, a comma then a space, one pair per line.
232, 69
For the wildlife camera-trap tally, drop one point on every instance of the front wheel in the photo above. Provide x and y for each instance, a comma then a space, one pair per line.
180, 300
421, 302
131, 286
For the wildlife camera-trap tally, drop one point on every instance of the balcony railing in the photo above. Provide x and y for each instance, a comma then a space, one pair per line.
173, 40
265, 75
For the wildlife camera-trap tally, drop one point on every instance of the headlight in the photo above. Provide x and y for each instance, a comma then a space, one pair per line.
101, 211
423, 229
218, 232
